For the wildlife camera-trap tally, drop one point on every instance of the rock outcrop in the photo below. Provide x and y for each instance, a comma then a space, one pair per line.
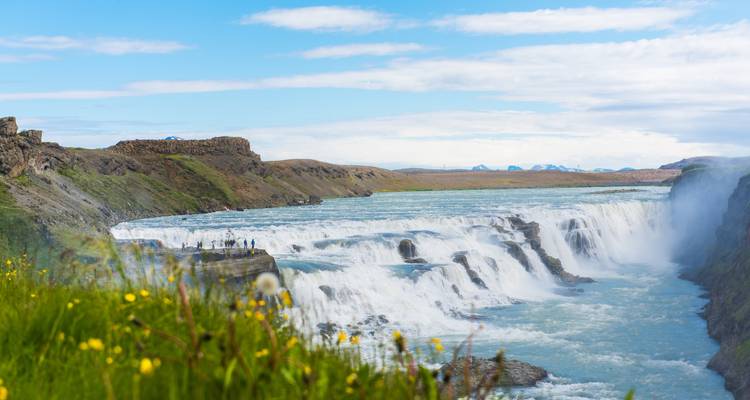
531, 232
577, 238
17, 149
460, 258
515, 251
408, 252
490, 372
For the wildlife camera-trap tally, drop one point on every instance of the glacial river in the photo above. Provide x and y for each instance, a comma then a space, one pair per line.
636, 327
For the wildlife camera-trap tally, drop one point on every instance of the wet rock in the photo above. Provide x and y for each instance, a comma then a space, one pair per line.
515, 251
329, 291
297, 248
460, 258
456, 291
416, 260
328, 330
531, 232
407, 249
577, 239
313, 199
489, 372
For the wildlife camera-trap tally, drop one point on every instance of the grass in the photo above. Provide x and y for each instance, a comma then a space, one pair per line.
216, 184
18, 232
87, 334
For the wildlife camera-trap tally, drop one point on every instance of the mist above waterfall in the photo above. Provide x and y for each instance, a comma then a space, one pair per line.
698, 201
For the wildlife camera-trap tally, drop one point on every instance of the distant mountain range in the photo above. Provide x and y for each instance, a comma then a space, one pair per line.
513, 168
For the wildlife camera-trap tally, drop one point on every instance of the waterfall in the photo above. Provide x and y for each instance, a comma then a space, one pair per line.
348, 272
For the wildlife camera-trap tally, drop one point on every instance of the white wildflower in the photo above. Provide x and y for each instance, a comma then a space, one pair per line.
268, 284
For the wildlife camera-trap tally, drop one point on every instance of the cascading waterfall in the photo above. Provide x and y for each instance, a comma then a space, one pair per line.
348, 272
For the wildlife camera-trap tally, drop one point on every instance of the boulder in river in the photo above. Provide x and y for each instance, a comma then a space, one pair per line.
408, 252
407, 249
489, 373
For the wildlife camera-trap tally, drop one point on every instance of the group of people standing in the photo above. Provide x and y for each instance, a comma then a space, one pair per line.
228, 244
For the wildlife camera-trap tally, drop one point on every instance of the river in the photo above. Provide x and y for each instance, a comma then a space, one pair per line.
636, 327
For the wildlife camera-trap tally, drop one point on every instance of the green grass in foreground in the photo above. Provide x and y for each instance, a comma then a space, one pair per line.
94, 341
80, 335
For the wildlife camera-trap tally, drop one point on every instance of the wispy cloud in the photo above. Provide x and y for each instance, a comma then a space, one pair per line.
13, 58
587, 19
362, 49
693, 69
321, 19
104, 45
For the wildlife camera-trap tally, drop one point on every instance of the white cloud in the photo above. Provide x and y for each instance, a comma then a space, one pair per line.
362, 49
105, 45
587, 19
705, 70
13, 58
321, 19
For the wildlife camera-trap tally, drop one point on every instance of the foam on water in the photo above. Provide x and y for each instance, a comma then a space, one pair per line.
341, 262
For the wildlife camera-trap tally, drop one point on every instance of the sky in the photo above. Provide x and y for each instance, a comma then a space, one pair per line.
441, 84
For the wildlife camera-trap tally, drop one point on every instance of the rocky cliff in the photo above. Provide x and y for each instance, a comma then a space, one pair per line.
725, 270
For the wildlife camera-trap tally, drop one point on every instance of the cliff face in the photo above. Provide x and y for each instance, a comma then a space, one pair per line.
726, 275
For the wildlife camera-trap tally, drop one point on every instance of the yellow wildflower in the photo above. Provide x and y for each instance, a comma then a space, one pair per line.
8, 262
435, 341
292, 342
354, 340
349, 390
129, 297
170, 278
167, 301
3, 393
252, 303
146, 367
262, 303
439, 348
33, 295
95, 344
286, 298
307, 370
285, 316
117, 350
144, 293
83, 346
110, 360
70, 305
351, 378
61, 336
259, 316
341, 337
261, 353
76, 301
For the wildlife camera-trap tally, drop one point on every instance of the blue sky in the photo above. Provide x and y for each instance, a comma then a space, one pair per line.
439, 83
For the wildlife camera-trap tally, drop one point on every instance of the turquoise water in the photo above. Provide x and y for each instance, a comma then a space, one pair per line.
636, 327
